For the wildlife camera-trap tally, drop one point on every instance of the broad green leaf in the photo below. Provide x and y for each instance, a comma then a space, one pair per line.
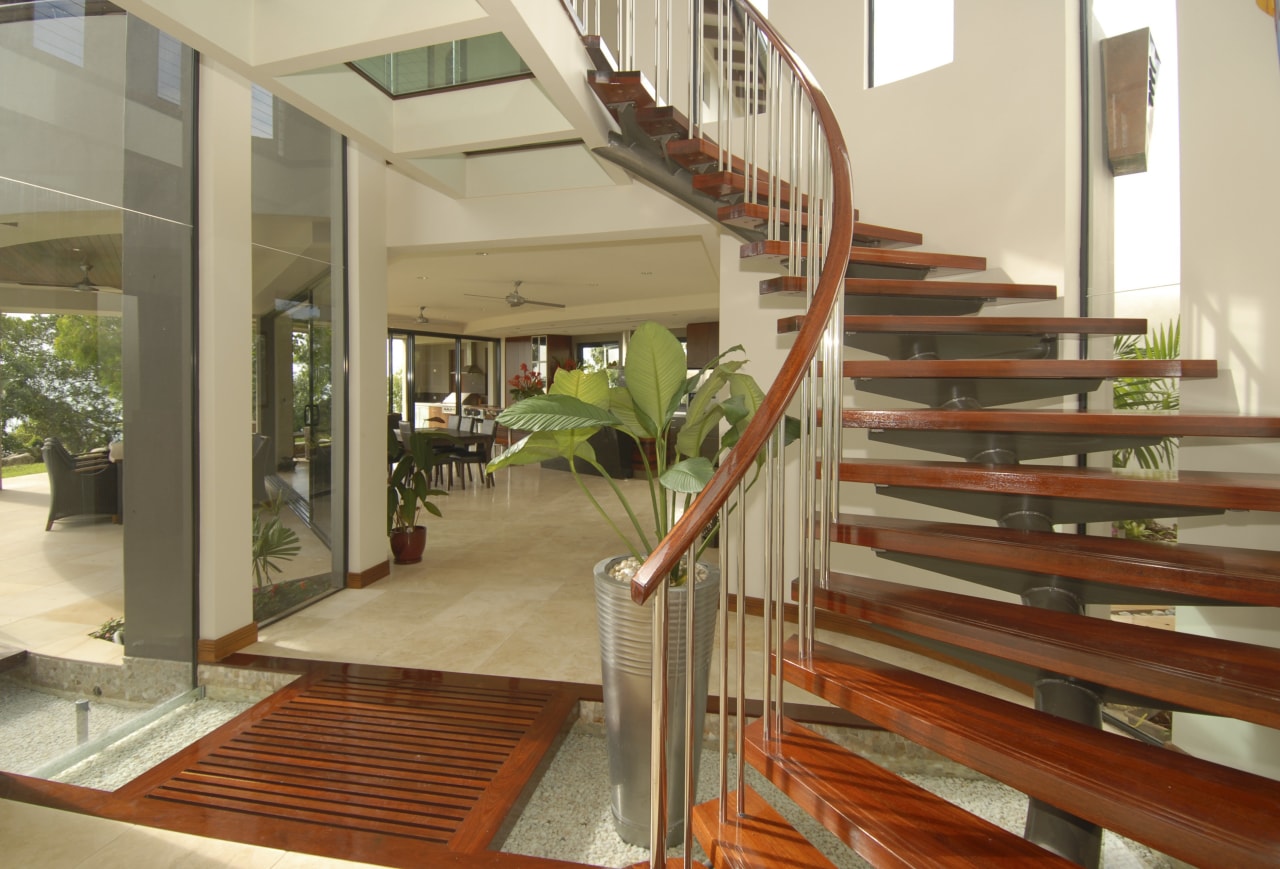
530, 450
655, 375
745, 386
689, 476
621, 406
554, 413
693, 433
574, 442
706, 396
590, 387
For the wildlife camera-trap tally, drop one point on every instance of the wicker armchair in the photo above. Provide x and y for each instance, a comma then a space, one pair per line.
84, 485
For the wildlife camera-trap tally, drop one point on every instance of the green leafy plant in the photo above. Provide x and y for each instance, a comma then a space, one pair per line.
109, 629
1148, 393
273, 541
644, 408
409, 484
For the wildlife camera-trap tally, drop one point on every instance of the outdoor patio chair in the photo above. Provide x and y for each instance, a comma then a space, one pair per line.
83, 485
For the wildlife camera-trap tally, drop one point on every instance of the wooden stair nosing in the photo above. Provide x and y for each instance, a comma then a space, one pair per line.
1213, 490
1219, 677
1117, 422
753, 215
617, 88
887, 820
1241, 577
889, 257
933, 325
1022, 369
759, 837
923, 288
725, 183
1191, 809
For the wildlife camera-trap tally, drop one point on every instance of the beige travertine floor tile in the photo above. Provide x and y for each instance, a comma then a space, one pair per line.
146, 846
52, 839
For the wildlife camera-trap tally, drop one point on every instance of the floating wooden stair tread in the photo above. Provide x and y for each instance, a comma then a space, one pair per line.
927, 289
698, 155
1050, 369
1211, 675
770, 249
981, 325
1200, 489
618, 88
754, 215
1190, 809
1216, 573
885, 819
761, 837
724, 184
1136, 423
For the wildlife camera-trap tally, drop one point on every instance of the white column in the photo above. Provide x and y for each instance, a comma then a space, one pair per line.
225, 299
367, 281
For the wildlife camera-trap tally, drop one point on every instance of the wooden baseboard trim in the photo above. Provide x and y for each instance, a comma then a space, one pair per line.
366, 578
212, 651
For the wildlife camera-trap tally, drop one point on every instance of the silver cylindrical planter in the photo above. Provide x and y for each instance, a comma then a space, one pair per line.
626, 635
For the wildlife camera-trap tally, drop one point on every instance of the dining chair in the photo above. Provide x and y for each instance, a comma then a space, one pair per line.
477, 453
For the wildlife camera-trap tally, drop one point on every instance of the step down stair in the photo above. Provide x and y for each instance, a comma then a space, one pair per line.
1209, 815
1202, 673
759, 837
887, 820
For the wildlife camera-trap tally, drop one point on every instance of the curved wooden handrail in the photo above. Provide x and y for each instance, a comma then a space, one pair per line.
740, 460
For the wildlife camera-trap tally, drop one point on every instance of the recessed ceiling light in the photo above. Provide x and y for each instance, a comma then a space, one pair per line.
646, 273
422, 277
482, 253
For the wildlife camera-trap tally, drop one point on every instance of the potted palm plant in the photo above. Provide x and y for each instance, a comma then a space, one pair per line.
409, 492
658, 403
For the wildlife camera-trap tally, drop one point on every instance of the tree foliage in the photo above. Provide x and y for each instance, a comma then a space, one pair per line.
59, 377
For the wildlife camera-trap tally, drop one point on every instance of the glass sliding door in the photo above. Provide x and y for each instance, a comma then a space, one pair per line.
297, 273
432, 378
97, 319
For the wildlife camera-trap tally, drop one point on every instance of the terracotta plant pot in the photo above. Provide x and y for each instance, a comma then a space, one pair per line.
407, 546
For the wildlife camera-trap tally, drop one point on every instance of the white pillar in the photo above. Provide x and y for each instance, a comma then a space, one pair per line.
367, 325
225, 299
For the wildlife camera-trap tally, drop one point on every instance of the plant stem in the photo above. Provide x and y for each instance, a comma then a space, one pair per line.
600, 508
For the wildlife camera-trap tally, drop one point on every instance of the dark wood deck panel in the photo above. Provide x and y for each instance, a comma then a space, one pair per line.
384, 765
393, 756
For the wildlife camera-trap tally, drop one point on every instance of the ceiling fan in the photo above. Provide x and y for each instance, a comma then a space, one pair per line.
84, 285
422, 314
515, 300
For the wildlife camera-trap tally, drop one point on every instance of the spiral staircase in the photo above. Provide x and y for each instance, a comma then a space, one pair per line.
970, 376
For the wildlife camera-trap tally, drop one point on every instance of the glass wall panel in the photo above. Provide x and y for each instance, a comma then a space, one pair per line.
96, 348
449, 375
298, 278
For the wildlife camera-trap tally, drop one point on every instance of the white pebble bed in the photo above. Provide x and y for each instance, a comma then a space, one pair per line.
568, 817
37, 727
128, 758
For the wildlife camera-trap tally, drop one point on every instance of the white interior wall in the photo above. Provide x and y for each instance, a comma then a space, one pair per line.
981, 155
1230, 131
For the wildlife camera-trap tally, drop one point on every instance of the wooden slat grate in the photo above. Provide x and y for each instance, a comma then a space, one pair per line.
391, 755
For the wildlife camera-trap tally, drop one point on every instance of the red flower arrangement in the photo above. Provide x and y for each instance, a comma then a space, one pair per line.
528, 382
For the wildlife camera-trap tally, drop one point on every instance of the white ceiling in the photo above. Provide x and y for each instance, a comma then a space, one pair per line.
459, 146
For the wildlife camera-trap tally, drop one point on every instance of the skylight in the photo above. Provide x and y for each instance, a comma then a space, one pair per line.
434, 67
